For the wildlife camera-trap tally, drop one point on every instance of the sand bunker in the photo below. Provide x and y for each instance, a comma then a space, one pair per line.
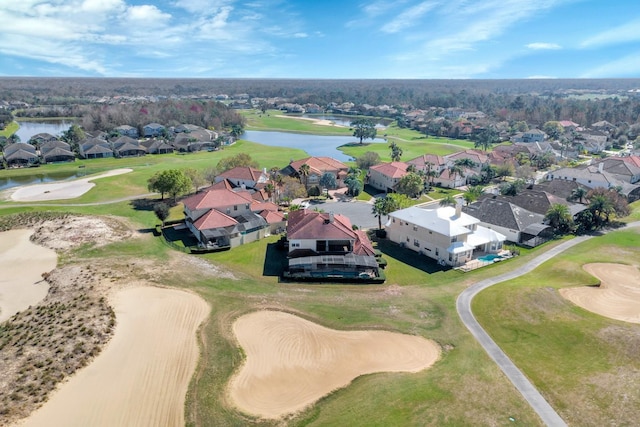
60, 190
141, 377
292, 362
21, 266
617, 297
321, 122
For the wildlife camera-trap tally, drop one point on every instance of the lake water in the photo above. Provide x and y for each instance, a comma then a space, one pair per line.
39, 178
314, 145
54, 127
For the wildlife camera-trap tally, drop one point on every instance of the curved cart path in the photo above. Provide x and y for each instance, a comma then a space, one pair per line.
463, 305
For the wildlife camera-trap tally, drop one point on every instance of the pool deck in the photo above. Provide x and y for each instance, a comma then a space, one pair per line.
478, 263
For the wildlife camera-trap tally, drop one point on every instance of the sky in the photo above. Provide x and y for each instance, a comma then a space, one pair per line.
321, 39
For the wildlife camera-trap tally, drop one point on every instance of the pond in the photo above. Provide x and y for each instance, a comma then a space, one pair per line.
314, 145
39, 178
53, 127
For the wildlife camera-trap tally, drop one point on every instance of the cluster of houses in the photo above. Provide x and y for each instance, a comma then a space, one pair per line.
123, 141
325, 246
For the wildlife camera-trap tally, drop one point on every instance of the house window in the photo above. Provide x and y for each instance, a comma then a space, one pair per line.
430, 232
407, 238
415, 228
246, 206
416, 243
295, 245
235, 207
394, 220
454, 239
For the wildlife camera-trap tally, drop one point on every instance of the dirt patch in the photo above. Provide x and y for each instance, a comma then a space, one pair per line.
617, 297
291, 362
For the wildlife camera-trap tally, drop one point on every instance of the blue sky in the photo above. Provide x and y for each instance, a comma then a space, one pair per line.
321, 38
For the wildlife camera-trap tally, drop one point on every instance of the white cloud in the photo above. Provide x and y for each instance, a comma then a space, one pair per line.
206, 7
146, 15
301, 35
102, 6
627, 66
544, 46
409, 17
629, 32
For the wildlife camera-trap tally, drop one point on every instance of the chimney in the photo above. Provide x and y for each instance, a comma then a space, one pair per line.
458, 209
331, 217
600, 167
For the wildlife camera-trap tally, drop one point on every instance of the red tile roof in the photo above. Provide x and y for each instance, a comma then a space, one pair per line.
214, 219
420, 162
272, 217
217, 198
319, 165
262, 206
242, 172
392, 170
306, 224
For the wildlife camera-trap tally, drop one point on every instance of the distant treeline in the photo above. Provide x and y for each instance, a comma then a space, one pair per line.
535, 101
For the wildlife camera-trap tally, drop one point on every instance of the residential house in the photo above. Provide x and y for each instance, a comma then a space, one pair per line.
317, 167
20, 154
325, 246
568, 125
245, 177
430, 164
126, 130
517, 224
157, 146
445, 234
126, 146
56, 151
532, 135
593, 141
40, 138
604, 126
620, 173
385, 176
223, 218
152, 130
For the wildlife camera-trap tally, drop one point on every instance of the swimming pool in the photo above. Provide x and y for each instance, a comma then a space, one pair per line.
490, 258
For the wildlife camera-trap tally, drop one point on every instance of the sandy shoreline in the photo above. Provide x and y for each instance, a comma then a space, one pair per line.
141, 377
617, 297
60, 190
321, 122
21, 266
291, 362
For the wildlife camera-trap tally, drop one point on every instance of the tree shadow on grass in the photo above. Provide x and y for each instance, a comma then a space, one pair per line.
409, 257
275, 261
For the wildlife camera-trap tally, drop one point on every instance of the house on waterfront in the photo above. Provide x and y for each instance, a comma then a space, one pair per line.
244, 176
95, 148
126, 130
324, 246
56, 151
446, 234
317, 167
20, 154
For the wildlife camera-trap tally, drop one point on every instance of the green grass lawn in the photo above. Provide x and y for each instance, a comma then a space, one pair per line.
273, 120
584, 364
10, 129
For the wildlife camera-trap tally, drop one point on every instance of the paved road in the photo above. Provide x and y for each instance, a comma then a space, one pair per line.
463, 304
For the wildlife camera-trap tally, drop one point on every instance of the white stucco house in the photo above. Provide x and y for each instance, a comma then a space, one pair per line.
445, 234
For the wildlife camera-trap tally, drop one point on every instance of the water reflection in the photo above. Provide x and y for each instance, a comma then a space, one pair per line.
314, 145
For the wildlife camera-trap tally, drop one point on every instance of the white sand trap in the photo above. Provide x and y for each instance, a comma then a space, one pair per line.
321, 122
21, 266
291, 362
60, 190
617, 297
141, 377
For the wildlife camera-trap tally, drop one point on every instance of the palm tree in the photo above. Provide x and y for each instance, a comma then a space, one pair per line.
578, 194
601, 208
455, 170
270, 189
559, 217
472, 194
380, 207
304, 173
448, 200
